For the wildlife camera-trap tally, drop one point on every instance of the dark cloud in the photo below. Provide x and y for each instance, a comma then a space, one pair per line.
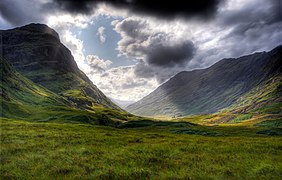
276, 9
75, 6
160, 8
167, 56
152, 47
19, 12
8, 12
253, 29
160, 55
161, 74
143, 70
248, 17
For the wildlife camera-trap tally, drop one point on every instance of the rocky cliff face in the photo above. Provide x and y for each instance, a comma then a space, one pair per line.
36, 52
209, 90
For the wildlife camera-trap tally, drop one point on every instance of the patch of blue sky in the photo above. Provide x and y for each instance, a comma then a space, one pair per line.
106, 50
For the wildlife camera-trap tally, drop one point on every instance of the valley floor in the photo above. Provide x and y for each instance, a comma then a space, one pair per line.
159, 151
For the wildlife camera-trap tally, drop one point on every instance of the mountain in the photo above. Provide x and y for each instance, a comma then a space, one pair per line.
227, 83
22, 99
36, 52
40, 81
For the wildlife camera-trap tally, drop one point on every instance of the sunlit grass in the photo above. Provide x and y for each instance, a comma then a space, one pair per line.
240, 118
155, 151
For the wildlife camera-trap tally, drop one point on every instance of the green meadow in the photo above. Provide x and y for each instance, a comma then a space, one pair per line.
140, 150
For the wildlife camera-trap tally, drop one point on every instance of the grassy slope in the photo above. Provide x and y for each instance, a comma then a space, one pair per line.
20, 97
262, 103
23, 99
36, 150
264, 98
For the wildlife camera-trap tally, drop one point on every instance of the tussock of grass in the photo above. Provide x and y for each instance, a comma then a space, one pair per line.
272, 132
270, 123
151, 123
196, 132
240, 118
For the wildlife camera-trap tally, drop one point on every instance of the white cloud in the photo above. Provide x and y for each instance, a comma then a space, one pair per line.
121, 83
101, 34
67, 20
75, 44
97, 65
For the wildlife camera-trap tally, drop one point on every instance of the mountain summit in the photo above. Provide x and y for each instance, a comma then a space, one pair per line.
36, 52
209, 90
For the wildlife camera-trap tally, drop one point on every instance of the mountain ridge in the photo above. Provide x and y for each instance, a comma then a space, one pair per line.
205, 91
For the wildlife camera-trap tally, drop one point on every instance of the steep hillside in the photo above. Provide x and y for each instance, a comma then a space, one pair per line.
264, 98
261, 106
19, 95
210, 90
20, 98
23, 99
36, 52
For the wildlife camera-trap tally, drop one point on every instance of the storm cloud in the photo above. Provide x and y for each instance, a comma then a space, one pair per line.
155, 48
264, 13
164, 9
251, 27
248, 17
168, 56
161, 74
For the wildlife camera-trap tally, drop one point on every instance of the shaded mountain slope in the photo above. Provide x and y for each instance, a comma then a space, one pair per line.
264, 98
21, 98
209, 90
36, 52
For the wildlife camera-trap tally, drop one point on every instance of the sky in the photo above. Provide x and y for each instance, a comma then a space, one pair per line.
130, 47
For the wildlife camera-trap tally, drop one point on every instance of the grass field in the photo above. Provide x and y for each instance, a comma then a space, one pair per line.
138, 150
